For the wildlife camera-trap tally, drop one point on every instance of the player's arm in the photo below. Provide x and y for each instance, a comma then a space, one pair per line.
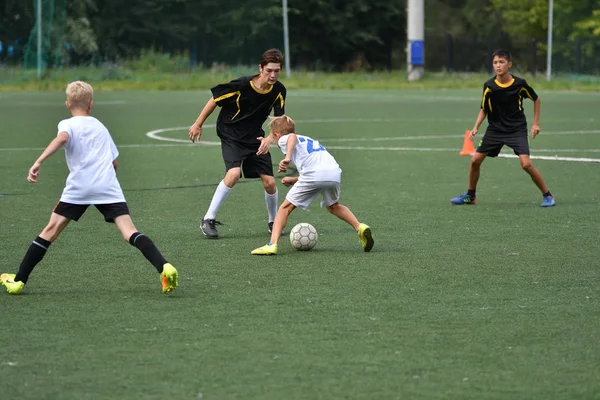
61, 139
290, 146
485, 102
265, 143
278, 111
289, 180
115, 164
480, 118
537, 109
527, 91
195, 130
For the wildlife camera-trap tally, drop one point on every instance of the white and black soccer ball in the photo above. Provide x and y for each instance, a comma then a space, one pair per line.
303, 236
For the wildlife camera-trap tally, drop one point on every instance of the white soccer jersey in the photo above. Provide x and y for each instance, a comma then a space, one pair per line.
90, 152
313, 162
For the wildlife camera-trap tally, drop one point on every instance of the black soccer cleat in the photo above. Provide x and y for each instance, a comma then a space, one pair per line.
209, 229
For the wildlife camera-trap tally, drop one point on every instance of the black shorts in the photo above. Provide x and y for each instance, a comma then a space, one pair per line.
492, 143
253, 166
75, 211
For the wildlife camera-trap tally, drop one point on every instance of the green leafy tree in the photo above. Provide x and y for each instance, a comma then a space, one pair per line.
590, 25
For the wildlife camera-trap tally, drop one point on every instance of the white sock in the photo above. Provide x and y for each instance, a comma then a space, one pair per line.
217, 201
271, 200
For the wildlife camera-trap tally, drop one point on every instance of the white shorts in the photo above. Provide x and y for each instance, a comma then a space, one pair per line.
303, 193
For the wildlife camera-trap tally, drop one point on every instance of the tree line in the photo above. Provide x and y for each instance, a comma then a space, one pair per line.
324, 34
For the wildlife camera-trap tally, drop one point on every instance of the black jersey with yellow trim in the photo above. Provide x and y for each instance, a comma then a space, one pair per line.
503, 104
244, 108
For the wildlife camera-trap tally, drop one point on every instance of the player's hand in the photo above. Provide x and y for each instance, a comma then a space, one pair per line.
535, 130
265, 143
34, 171
283, 165
195, 132
472, 134
288, 181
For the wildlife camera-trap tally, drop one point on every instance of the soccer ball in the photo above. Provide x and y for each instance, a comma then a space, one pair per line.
303, 236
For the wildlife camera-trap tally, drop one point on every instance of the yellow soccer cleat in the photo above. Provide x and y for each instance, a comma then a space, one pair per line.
169, 278
266, 250
366, 237
12, 287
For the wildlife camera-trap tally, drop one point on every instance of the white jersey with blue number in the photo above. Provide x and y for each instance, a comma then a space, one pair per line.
313, 162
90, 152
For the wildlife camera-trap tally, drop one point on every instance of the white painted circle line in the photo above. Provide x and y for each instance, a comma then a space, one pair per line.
155, 135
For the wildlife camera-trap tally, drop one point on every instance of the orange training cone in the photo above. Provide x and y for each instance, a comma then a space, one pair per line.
468, 148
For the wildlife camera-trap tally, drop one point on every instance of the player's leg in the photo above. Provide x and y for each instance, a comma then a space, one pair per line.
344, 213
331, 196
119, 214
469, 197
62, 214
536, 177
533, 172
475, 170
520, 145
490, 145
300, 195
233, 156
262, 166
271, 198
209, 222
281, 218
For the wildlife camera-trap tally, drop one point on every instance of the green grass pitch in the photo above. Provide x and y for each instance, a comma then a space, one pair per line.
494, 301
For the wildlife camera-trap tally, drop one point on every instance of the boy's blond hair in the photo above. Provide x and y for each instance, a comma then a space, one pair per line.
282, 125
79, 94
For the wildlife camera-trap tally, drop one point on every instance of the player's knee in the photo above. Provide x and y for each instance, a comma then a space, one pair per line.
332, 208
270, 187
286, 208
230, 180
527, 166
269, 183
475, 162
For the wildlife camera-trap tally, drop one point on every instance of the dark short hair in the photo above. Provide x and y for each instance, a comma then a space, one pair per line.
502, 54
271, 56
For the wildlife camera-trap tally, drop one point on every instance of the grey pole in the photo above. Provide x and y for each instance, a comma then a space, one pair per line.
550, 23
286, 38
39, 38
416, 43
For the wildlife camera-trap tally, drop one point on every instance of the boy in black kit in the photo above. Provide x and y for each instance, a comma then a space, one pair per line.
502, 103
245, 104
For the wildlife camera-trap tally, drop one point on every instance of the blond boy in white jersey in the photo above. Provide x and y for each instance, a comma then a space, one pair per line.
319, 174
91, 157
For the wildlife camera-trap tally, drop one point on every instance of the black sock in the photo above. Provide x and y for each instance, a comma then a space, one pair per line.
148, 249
547, 194
36, 251
471, 192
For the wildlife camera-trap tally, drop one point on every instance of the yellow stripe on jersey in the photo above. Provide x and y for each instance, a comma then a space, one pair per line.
526, 92
226, 96
281, 101
521, 99
257, 90
237, 101
504, 85
485, 92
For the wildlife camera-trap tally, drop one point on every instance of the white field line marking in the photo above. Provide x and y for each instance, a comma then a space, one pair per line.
419, 149
425, 149
550, 158
155, 134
